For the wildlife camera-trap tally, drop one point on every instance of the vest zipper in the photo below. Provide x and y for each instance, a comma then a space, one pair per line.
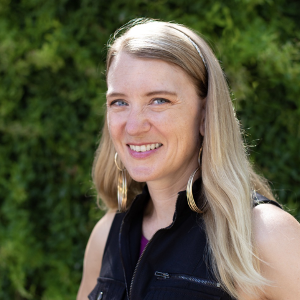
163, 276
135, 269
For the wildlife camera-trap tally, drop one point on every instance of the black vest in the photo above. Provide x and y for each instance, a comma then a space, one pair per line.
174, 265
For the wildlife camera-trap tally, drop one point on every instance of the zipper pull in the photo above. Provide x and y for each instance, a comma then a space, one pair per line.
100, 296
161, 275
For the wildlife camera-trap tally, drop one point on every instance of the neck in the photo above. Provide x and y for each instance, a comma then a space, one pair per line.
160, 210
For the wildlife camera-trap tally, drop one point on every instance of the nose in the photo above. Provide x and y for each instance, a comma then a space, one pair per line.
137, 123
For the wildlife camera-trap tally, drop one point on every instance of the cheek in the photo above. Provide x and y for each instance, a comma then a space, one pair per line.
189, 130
114, 125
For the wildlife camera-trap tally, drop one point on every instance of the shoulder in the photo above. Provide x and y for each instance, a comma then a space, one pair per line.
277, 241
94, 253
100, 233
271, 223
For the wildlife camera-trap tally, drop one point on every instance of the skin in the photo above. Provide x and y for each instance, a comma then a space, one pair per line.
93, 255
277, 238
151, 101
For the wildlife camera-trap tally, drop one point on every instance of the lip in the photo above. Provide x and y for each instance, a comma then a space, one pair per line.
140, 144
141, 155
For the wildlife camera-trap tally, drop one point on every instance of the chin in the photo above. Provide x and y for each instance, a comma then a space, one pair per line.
141, 174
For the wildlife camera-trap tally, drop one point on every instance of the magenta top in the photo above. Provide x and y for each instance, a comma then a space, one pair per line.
144, 243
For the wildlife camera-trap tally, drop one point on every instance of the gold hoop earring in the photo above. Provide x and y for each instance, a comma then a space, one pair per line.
189, 191
122, 186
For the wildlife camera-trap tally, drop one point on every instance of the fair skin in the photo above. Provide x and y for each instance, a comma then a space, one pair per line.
93, 255
277, 236
151, 103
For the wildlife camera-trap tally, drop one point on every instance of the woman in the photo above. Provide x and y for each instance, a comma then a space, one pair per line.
171, 127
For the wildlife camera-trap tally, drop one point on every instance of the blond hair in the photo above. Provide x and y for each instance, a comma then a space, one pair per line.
227, 176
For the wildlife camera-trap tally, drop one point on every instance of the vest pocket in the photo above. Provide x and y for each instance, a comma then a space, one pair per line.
189, 278
182, 286
107, 289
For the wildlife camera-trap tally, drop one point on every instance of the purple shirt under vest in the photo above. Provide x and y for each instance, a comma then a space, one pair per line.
144, 243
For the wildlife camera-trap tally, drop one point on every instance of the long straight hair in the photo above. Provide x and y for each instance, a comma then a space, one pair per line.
228, 178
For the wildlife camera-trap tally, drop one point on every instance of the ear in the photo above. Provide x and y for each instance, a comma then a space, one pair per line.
202, 116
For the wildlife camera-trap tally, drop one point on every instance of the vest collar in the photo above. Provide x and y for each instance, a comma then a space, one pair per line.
138, 205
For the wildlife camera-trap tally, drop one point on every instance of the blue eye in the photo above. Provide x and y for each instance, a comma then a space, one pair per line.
160, 101
118, 103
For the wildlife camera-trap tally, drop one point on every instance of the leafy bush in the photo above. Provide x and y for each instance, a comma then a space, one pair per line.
51, 110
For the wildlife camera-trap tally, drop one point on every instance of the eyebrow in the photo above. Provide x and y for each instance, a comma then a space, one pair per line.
148, 94
161, 92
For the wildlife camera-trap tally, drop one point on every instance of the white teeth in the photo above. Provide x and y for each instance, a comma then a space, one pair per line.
143, 148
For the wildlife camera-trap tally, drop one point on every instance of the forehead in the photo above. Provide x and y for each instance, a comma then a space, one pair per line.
130, 72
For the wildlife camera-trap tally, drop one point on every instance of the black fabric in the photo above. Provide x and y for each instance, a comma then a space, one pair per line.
174, 264
260, 199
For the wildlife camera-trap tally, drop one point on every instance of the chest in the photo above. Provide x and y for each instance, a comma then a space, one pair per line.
174, 265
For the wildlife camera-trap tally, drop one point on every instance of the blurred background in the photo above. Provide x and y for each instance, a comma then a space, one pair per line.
52, 92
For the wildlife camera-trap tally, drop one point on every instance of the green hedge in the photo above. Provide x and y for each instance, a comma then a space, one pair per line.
52, 89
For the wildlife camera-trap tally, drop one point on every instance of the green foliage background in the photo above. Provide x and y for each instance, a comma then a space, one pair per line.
52, 88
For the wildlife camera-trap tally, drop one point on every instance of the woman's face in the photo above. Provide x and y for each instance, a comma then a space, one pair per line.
153, 115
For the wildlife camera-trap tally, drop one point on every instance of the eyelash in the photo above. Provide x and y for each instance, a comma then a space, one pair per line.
120, 102
163, 99
115, 102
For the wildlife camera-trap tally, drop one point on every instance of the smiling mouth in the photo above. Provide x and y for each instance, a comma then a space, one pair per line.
144, 148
